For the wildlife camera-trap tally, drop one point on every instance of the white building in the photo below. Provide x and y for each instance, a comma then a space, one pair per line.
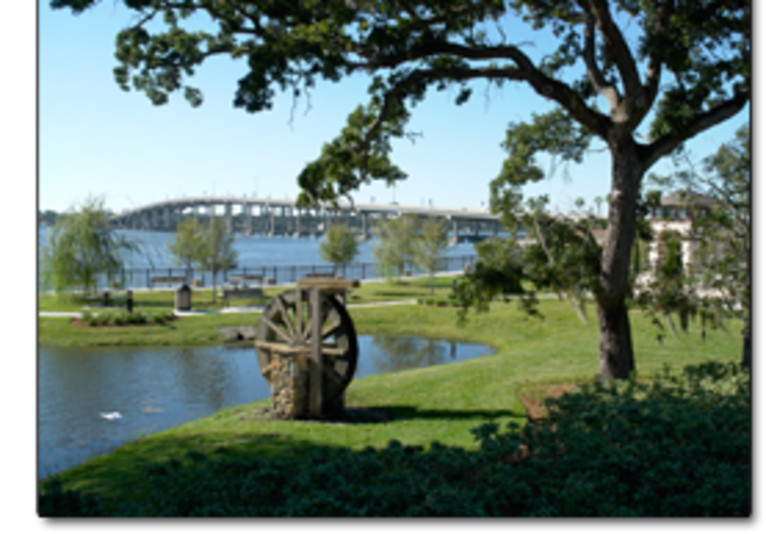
677, 213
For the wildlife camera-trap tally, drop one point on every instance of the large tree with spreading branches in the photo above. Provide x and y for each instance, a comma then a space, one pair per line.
641, 76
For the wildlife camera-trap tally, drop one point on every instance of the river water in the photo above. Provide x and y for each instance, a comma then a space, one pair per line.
276, 257
154, 389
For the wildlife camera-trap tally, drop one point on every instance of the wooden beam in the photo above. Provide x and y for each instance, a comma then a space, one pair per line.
328, 284
315, 355
282, 348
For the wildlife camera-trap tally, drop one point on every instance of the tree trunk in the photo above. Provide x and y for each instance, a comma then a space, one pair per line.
432, 283
616, 346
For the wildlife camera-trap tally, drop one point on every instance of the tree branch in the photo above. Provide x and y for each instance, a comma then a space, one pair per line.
525, 70
654, 68
667, 143
621, 53
608, 91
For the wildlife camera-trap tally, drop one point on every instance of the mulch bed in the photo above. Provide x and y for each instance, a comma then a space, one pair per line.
534, 398
148, 321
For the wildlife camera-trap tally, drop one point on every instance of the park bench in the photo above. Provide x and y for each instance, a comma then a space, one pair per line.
168, 280
244, 278
241, 292
108, 298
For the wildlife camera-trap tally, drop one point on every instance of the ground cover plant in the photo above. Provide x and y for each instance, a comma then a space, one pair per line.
677, 445
122, 319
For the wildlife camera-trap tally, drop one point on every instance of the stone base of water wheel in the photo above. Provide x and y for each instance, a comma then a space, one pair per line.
289, 377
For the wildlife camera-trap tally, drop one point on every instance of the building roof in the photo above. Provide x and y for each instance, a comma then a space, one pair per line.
687, 198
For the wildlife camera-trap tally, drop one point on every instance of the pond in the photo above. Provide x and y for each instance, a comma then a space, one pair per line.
153, 389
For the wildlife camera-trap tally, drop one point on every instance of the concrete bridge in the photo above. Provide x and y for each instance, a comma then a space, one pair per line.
274, 217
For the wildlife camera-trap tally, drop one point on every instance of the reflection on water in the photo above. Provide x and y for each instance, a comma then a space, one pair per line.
157, 388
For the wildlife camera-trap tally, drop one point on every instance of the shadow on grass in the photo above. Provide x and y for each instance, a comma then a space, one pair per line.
382, 414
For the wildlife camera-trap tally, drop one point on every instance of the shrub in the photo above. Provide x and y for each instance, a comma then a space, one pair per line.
678, 445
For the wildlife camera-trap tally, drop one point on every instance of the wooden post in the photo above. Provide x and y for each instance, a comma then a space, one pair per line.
315, 355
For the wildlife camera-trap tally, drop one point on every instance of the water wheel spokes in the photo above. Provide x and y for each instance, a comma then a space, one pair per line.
283, 317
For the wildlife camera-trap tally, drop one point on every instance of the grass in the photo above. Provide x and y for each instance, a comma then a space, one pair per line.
441, 403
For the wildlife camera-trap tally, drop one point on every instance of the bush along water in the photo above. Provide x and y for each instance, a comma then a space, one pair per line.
677, 445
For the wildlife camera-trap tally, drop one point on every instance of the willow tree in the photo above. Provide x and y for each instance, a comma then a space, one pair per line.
81, 245
602, 54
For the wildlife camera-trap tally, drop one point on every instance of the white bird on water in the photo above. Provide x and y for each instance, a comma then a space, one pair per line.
110, 416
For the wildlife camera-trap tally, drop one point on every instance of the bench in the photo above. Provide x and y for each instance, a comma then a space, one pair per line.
168, 280
107, 298
242, 278
244, 292
320, 275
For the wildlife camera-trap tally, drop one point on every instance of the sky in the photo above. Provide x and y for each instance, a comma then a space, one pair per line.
97, 140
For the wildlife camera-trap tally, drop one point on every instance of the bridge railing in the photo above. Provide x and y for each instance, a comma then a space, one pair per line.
144, 278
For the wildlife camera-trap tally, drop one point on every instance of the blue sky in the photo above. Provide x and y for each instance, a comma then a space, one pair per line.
95, 139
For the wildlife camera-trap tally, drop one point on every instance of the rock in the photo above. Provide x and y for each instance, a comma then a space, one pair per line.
237, 333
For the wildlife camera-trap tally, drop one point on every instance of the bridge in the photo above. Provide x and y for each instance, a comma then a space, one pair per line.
274, 217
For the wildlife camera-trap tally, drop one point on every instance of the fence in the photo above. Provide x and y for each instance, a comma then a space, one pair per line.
281, 274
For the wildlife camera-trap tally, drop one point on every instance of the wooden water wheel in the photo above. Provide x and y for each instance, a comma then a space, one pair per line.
287, 328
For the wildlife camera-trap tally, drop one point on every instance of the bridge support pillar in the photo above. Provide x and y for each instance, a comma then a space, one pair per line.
227, 212
455, 235
365, 230
248, 230
166, 218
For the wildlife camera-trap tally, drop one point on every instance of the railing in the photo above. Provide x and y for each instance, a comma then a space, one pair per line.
138, 278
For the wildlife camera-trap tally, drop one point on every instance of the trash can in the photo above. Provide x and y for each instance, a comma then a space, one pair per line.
183, 298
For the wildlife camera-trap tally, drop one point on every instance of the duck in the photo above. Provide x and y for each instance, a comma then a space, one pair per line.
110, 416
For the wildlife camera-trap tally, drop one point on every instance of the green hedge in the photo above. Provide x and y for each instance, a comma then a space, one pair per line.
676, 445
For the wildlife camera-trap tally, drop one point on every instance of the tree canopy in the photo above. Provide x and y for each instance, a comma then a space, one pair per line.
187, 244
409, 46
396, 244
81, 244
339, 246
431, 246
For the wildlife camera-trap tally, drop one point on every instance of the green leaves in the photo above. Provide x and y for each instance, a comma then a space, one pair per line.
82, 244
395, 248
339, 246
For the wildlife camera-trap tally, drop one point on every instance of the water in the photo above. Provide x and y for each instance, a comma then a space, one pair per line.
154, 389
255, 253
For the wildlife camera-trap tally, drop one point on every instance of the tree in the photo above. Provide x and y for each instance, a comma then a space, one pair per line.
186, 247
430, 248
80, 245
719, 280
407, 46
339, 247
395, 247
217, 250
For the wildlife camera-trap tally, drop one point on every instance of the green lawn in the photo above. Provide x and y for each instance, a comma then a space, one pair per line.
441, 403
